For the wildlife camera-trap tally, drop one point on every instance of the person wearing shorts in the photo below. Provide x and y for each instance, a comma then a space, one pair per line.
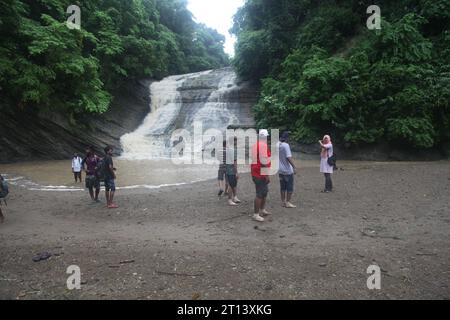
286, 171
231, 174
221, 174
92, 182
110, 176
260, 151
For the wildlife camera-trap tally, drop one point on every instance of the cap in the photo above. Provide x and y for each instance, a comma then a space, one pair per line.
263, 133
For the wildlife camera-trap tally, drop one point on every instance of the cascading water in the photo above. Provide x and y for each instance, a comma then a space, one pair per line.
211, 98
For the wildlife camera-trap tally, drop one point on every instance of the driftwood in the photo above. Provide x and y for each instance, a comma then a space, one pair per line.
179, 274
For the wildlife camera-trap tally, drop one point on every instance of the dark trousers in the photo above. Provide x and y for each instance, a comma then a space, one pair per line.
77, 175
328, 182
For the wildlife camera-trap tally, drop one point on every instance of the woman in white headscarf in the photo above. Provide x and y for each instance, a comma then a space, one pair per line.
325, 168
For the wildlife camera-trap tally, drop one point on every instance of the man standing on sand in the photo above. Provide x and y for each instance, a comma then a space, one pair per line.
76, 167
231, 173
222, 174
286, 171
110, 176
92, 181
260, 159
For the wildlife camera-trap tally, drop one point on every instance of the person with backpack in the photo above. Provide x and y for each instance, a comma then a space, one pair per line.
76, 167
3, 193
92, 180
327, 162
107, 168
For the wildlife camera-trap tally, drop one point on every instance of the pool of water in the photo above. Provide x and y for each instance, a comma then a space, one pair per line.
56, 175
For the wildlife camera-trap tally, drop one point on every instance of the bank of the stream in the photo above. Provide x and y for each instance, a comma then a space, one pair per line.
182, 242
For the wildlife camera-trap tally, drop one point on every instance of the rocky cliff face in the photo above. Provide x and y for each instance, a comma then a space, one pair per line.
33, 135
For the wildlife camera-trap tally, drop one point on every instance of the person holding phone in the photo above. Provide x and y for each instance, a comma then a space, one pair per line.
325, 153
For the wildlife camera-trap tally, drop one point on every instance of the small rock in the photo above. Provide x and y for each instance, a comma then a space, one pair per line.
268, 287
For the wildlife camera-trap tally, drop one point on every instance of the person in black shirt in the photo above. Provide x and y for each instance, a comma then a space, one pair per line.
110, 176
3, 194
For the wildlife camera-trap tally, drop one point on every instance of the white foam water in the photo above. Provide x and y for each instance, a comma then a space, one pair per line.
207, 104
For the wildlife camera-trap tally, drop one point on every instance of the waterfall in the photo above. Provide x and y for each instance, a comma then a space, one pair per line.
211, 98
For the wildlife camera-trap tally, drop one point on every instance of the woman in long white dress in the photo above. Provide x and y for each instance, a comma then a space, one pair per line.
325, 168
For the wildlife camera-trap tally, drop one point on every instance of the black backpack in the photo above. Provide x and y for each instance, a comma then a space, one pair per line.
332, 161
100, 169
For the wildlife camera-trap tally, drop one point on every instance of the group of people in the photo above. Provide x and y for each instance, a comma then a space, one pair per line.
228, 175
97, 170
100, 169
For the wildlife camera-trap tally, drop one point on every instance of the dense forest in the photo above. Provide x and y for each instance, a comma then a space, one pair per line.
323, 71
47, 66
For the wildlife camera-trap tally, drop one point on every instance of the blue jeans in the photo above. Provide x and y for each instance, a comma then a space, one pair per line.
287, 182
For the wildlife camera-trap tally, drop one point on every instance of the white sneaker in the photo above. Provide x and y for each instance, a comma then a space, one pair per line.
236, 200
264, 212
257, 217
231, 203
290, 205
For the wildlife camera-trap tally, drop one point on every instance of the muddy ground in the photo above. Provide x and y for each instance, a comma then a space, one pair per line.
185, 243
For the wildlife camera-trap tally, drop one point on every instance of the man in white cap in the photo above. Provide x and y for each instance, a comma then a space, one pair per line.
260, 159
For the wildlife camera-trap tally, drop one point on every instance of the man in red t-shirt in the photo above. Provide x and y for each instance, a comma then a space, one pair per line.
260, 159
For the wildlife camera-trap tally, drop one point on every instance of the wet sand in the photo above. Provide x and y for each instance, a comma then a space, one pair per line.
182, 242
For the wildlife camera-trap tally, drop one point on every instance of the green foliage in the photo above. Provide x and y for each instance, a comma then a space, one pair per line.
44, 64
338, 77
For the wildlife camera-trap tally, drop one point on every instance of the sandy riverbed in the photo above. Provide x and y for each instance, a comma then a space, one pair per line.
183, 242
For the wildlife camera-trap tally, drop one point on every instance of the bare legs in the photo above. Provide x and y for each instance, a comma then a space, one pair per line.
259, 204
109, 197
231, 193
286, 197
91, 193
